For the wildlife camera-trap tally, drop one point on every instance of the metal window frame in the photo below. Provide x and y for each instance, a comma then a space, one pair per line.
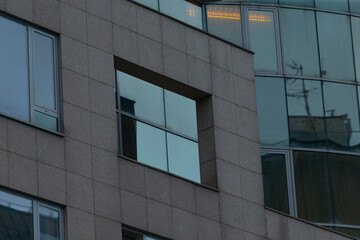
247, 37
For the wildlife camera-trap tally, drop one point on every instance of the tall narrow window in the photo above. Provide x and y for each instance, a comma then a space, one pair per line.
157, 127
28, 75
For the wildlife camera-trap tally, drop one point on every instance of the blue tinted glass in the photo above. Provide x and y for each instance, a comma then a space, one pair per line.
354, 6
342, 116
263, 40
225, 21
337, 5
45, 121
14, 87
272, 114
261, 1
299, 42
183, 10
183, 157
180, 114
306, 113
355, 25
305, 3
44, 71
49, 224
141, 99
335, 46
150, 3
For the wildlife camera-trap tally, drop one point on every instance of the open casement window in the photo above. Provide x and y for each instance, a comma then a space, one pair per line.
262, 31
157, 127
27, 219
29, 81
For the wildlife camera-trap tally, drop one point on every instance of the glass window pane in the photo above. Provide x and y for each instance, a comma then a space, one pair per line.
298, 32
141, 99
225, 21
16, 217
337, 5
342, 116
262, 39
180, 114
312, 186
355, 25
345, 173
335, 46
349, 231
306, 113
144, 143
275, 181
49, 224
14, 87
183, 157
45, 121
354, 6
261, 1
272, 115
44, 71
183, 10
150, 3
305, 3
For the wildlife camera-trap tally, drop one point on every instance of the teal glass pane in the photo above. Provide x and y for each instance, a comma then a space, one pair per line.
45, 121
16, 217
183, 11
299, 42
44, 71
183, 157
272, 114
336, 5
335, 46
154, 4
355, 26
261, 1
342, 116
140, 98
304, 3
14, 80
312, 186
306, 113
225, 21
180, 114
354, 8
263, 39
49, 223
275, 181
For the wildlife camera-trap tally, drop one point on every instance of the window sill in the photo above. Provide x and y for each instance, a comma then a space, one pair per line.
32, 125
168, 173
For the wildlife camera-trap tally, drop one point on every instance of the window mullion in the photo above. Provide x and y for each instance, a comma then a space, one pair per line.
36, 219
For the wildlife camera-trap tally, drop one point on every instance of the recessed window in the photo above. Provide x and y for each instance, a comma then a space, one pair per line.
157, 127
24, 218
134, 235
28, 74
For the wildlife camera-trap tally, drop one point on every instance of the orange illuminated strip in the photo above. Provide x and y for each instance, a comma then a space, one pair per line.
236, 16
259, 18
190, 12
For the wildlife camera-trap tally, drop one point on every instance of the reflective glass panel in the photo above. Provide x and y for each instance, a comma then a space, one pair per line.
183, 10
299, 42
45, 121
16, 218
14, 86
150, 3
49, 224
225, 21
141, 99
345, 179
312, 186
349, 231
129, 235
183, 157
180, 114
355, 25
336, 5
306, 113
272, 114
261, 1
305, 3
44, 71
275, 181
263, 40
335, 46
354, 6
342, 116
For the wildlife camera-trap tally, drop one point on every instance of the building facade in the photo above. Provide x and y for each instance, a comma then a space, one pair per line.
136, 120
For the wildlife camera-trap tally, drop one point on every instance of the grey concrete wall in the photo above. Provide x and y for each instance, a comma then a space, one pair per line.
82, 171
